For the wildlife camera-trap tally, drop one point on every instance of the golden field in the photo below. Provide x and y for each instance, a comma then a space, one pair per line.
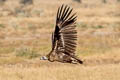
25, 36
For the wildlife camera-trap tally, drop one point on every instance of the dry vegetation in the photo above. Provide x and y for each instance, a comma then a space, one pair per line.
25, 35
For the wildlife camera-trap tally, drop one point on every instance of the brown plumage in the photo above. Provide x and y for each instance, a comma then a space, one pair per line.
64, 36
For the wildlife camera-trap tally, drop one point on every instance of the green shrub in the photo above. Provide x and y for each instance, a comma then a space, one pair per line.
2, 26
98, 26
27, 53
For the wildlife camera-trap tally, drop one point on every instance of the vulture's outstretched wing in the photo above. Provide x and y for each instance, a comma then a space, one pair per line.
64, 37
65, 34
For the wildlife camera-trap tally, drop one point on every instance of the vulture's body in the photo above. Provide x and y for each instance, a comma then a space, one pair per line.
64, 37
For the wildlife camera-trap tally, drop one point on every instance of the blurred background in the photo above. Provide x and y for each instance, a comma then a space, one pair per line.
26, 27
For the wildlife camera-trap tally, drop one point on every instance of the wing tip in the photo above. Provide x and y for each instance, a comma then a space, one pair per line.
63, 12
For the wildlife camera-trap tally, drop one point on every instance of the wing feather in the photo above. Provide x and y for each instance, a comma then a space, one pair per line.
65, 30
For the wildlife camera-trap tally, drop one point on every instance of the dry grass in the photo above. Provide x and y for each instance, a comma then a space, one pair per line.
25, 35
57, 71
